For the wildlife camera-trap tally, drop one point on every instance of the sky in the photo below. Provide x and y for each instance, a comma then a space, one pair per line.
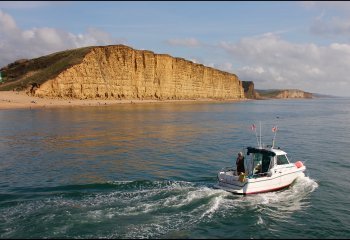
277, 45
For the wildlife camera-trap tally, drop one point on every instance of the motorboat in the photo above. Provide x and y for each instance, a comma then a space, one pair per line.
267, 168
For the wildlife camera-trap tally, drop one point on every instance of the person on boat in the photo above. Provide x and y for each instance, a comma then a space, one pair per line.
257, 168
240, 163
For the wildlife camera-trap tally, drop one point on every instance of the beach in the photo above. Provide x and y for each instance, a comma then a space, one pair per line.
21, 100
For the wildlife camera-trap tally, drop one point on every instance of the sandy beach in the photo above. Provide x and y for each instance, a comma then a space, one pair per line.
20, 100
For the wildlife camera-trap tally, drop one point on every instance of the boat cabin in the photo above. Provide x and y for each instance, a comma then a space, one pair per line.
263, 160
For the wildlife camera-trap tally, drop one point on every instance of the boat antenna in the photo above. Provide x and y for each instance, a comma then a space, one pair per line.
260, 134
253, 127
274, 129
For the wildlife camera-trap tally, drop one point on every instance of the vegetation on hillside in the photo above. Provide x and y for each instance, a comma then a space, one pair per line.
270, 93
23, 73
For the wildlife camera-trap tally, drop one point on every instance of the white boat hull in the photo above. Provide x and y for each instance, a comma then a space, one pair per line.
279, 179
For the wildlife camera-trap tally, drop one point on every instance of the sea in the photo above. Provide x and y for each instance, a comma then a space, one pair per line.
133, 171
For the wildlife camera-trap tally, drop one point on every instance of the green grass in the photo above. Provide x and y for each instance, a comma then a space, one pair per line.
269, 93
45, 68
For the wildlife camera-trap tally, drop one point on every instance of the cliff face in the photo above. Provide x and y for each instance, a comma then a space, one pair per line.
249, 90
293, 93
283, 93
122, 72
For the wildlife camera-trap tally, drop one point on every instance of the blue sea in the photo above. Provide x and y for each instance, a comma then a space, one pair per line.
148, 170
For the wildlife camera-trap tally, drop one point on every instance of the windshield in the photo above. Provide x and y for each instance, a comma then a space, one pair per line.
260, 163
282, 159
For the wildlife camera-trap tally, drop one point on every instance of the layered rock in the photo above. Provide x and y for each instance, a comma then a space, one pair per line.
283, 93
122, 72
293, 93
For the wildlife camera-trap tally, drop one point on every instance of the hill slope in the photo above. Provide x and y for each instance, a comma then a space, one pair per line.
22, 73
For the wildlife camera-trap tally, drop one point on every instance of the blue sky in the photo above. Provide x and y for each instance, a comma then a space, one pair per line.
302, 45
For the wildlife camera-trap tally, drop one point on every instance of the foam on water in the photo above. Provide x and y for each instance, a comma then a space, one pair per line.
214, 206
284, 198
139, 200
150, 209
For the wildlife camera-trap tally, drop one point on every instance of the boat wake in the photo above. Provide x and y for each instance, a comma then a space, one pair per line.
139, 209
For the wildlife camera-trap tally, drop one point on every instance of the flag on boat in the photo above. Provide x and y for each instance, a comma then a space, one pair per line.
253, 127
274, 129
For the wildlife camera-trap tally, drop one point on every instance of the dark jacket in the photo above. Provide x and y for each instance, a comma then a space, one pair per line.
240, 164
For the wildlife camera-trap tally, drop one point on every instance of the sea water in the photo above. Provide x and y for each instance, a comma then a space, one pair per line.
148, 170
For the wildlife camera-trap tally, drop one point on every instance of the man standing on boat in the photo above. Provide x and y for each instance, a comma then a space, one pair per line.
240, 163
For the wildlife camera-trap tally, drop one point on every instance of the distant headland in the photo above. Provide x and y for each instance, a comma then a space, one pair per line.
253, 93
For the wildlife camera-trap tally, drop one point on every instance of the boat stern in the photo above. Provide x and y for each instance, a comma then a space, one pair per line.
229, 181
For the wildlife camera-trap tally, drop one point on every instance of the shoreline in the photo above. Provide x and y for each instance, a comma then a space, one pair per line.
20, 100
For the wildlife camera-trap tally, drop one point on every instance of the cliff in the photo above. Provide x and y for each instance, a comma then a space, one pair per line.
283, 93
252, 93
293, 93
249, 90
119, 72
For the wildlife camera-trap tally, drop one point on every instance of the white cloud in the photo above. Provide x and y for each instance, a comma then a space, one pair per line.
16, 43
272, 62
7, 23
333, 20
226, 66
188, 42
340, 47
333, 27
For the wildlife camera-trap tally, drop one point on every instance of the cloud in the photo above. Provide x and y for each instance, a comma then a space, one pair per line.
7, 23
334, 27
272, 62
16, 43
226, 66
333, 22
188, 42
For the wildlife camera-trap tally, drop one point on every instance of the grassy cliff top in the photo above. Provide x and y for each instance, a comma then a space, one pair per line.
269, 93
22, 73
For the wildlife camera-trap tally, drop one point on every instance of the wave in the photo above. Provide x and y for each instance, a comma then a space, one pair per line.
140, 209
111, 185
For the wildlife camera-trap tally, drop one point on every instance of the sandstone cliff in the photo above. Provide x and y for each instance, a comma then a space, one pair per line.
293, 93
284, 93
121, 72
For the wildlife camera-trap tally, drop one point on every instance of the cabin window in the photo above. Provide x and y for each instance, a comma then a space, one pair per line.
282, 159
265, 164
261, 163
257, 159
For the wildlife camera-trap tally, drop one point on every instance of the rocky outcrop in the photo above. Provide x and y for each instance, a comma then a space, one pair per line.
121, 72
249, 90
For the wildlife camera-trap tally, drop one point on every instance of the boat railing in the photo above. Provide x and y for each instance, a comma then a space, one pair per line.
260, 174
228, 169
